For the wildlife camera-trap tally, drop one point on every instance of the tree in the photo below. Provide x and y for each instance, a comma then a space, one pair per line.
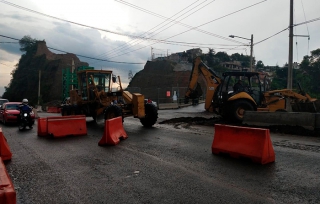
305, 63
259, 64
210, 58
28, 44
315, 56
222, 56
130, 75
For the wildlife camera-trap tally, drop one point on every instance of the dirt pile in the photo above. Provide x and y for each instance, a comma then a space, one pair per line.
159, 77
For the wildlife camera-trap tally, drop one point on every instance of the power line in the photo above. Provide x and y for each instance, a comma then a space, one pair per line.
305, 18
193, 28
166, 19
270, 36
313, 20
8, 42
309, 21
105, 60
72, 22
131, 36
121, 47
80, 55
295, 30
175, 22
180, 23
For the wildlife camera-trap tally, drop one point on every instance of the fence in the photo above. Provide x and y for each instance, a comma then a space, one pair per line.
162, 95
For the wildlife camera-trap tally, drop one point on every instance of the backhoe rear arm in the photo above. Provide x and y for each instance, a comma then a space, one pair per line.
211, 79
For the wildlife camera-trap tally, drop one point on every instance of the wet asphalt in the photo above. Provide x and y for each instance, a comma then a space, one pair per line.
169, 163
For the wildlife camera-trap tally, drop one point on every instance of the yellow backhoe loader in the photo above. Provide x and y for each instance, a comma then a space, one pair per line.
236, 92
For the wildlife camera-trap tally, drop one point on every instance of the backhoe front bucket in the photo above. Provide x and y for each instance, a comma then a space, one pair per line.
311, 107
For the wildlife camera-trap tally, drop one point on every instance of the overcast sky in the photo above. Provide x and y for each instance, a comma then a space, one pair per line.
180, 24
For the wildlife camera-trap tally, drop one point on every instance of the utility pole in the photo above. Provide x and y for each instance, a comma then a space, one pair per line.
251, 51
151, 54
72, 71
251, 47
290, 69
39, 107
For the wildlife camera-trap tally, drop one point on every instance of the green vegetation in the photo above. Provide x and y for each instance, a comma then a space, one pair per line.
22, 80
308, 75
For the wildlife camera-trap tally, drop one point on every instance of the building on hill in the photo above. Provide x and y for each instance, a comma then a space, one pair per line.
234, 66
269, 68
194, 52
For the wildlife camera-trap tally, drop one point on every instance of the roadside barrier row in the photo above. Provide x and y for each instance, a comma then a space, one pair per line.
7, 192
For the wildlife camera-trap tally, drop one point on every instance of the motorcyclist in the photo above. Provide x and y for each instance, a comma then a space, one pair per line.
25, 108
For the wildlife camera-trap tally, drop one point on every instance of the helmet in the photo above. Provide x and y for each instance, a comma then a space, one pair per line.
25, 101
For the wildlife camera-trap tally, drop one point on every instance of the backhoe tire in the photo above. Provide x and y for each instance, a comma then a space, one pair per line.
238, 108
112, 111
151, 117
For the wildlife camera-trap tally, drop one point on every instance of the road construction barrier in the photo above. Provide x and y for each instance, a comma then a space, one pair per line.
113, 132
253, 143
7, 192
62, 126
5, 152
53, 110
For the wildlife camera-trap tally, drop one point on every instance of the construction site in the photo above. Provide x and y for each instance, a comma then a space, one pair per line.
188, 127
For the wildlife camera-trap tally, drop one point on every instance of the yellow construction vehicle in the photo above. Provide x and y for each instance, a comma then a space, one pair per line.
236, 92
95, 97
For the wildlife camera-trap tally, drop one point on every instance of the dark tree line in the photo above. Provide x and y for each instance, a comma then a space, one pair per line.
308, 76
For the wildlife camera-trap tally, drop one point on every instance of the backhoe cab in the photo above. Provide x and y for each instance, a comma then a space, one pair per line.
239, 92
96, 96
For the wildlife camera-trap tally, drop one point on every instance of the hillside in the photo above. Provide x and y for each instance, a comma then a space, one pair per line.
159, 77
25, 78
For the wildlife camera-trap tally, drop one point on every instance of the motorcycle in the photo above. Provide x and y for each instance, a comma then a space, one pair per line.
25, 120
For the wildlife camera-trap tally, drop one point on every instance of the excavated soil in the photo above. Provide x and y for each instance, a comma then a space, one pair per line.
186, 122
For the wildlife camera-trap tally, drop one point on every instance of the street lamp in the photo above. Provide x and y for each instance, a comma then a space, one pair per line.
251, 47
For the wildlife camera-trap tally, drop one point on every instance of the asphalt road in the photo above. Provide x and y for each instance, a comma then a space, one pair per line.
169, 163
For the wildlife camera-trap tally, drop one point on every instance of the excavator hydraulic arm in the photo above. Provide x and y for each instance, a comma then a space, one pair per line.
211, 79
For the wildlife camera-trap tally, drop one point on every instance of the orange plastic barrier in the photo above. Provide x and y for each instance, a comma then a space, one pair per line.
42, 127
62, 126
53, 110
5, 152
7, 192
253, 143
113, 132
